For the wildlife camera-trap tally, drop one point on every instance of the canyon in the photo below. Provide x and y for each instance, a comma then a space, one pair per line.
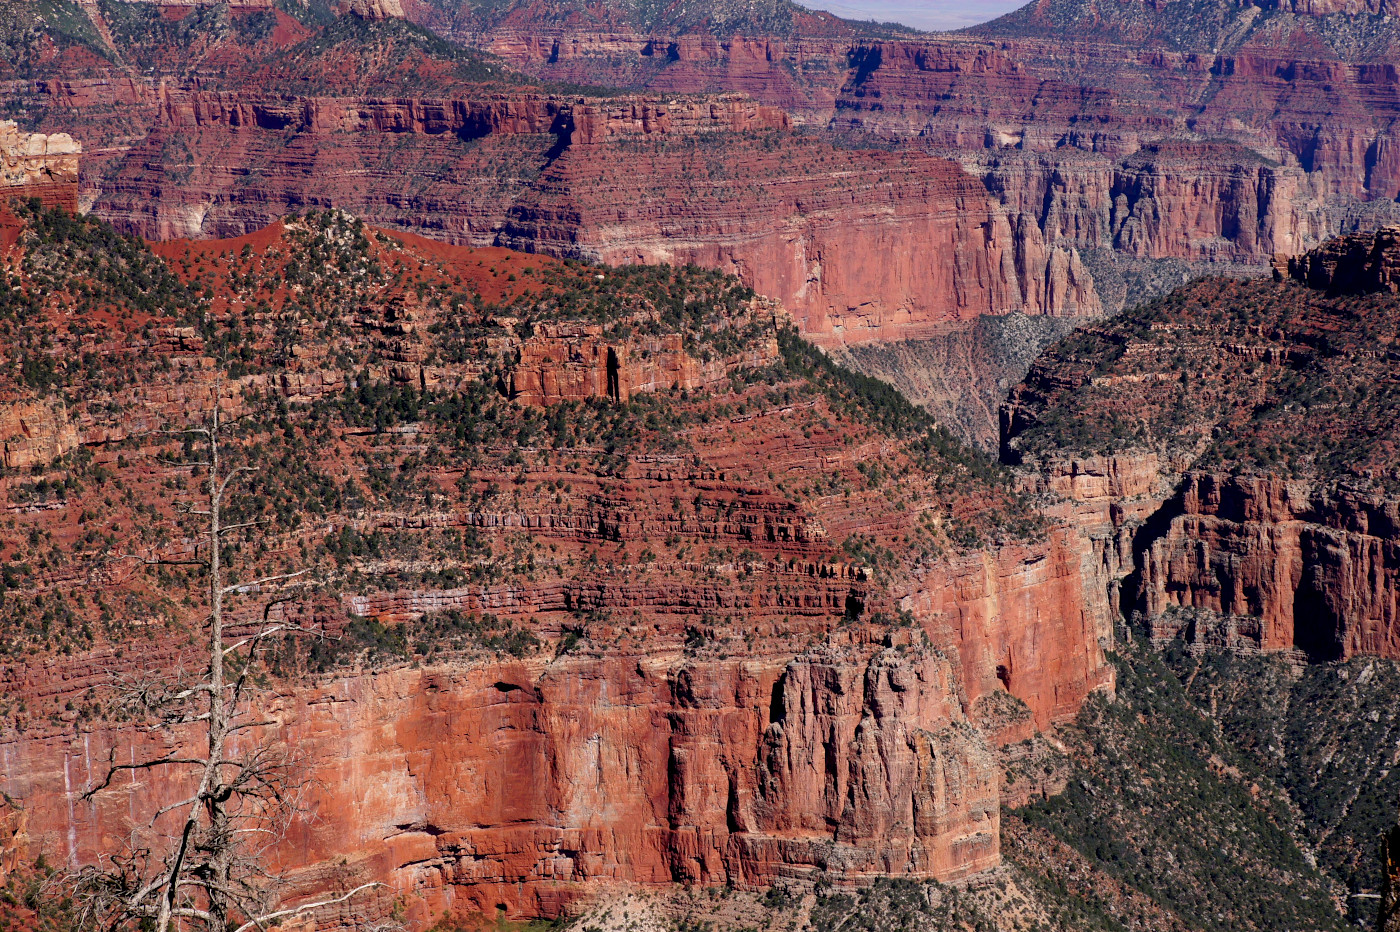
625, 581
697, 607
719, 182
696, 640
887, 187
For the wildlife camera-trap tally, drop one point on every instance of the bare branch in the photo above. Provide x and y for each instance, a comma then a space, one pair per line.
114, 768
260, 922
269, 632
233, 473
199, 869
238, 527
245, 587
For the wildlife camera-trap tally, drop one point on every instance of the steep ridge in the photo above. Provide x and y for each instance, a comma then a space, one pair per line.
719, 182
622, 582
1240, 441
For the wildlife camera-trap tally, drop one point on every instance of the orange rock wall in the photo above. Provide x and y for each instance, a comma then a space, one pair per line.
526, 785
1301, 569
529, 784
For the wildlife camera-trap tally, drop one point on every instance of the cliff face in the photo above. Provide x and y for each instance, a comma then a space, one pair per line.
36, 165
703, 609
563, 362
1215, 131
1275, 565
1238, 444
527, 785
1202, 133
859, 244
1360, 264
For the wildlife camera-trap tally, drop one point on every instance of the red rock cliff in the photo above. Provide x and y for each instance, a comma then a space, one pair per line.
859, 244
716, 682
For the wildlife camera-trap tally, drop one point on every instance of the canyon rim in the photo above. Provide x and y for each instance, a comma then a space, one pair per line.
698, 468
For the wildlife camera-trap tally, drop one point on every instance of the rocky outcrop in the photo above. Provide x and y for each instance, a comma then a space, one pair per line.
35, 433
1033, 622
1257, 508
1360, 264
39, 165
1274, 565
527, 785
576, 362
376, 9
591, 123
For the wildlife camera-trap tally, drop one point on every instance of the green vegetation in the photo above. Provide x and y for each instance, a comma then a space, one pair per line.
1250, 377
101, 274
27, 26
367, 641
894, 905
1326, 734
720, 18
1162, 801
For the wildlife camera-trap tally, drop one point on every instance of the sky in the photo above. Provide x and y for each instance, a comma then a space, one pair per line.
924, 14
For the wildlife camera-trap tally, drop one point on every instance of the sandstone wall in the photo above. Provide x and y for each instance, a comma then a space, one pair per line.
1299, 568
570, 362
529, 784
39, 165
35, 433
858, 244
1254, 563
1163, 153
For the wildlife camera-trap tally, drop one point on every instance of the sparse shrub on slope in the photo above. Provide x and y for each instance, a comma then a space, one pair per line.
1329, 735
1163, 802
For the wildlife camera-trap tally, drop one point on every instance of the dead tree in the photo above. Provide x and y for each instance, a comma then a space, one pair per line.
1388, 918
198, 863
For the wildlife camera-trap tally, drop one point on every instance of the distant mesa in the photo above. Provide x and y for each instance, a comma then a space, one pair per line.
39, 165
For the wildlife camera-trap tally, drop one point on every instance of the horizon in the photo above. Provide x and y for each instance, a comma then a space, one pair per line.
931, 14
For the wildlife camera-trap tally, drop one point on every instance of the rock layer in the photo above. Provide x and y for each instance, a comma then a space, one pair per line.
702, 618
1275, 566
859, 244
1358, 264
39, 165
